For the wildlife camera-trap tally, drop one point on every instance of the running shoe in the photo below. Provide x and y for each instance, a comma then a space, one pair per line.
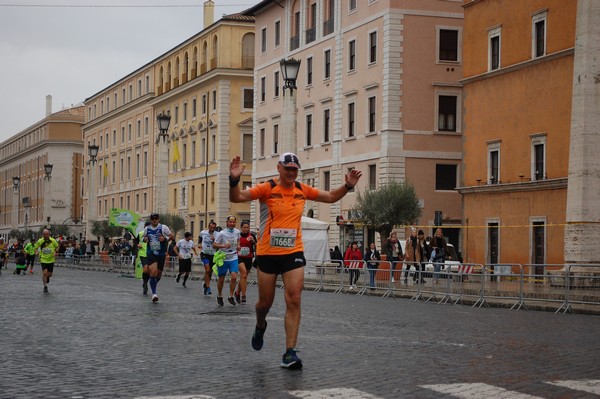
208, 291
45, 289
231, 300
257, 337
220, 300
290, 360
237, 297
154, 298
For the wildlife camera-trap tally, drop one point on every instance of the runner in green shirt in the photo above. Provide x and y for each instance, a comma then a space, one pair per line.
30, 256
47, 247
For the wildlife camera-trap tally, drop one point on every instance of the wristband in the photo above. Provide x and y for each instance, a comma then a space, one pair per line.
232, 182
348, 187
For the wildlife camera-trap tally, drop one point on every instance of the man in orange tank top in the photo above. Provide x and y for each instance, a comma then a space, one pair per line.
280, 249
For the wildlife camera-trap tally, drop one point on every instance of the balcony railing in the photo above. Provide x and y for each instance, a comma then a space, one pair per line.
294, 42
328, 27
311, 35
248, 62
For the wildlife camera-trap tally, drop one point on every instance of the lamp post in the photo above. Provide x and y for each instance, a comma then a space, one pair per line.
289, 70
15, 214
162, 164
48, 190
92, 190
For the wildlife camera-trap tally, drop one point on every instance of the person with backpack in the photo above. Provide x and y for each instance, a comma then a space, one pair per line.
279, 249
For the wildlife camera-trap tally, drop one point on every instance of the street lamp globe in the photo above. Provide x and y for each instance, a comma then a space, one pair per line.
289, 70
93, 152
163, 125
48, 169
16, 182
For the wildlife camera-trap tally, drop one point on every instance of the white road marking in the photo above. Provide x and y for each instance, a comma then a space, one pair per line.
177, 397
591, 386
477, 391
345, 393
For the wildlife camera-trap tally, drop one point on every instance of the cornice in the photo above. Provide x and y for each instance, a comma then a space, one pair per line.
537, 185
41, 147
123, 109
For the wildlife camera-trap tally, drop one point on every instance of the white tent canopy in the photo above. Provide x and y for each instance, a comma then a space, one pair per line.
316, 239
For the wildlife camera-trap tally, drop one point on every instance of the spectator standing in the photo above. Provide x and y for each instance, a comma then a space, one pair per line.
413, 254
352, 260
337, 257
440, 247
372, 257
393, 251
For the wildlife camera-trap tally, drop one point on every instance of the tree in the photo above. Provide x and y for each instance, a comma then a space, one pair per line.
101, 228
56, 230
174, 222
23, 234
393, 204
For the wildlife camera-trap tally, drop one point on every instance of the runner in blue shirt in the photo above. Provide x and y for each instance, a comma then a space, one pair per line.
156, 235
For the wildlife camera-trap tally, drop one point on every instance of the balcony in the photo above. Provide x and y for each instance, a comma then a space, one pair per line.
294, 42
213, 63
248, 62
311, 35
328, 27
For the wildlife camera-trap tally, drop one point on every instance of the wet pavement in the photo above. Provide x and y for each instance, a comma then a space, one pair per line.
94, 335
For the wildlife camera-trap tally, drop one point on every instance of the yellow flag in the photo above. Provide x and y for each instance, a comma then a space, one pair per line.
105, 169
176, 156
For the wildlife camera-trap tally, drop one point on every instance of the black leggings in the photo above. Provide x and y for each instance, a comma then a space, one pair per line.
354, 275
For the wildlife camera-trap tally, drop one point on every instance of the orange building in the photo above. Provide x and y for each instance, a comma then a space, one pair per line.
518, 68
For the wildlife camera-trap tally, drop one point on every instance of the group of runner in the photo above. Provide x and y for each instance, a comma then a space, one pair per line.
279, 248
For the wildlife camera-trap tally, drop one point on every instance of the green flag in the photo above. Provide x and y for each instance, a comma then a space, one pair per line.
124, 218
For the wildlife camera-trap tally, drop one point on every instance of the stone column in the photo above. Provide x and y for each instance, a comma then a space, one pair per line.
161, 195
583, 192
92, 208
289, 137
15, 210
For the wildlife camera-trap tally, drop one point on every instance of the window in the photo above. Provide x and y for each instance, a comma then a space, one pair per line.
184, 156
352, 5
538, 235
193, 163
203, 150
326, 181
276, 84
248, 98
214, 100
121, 170
308, 130
329, 17
129, 132
311, 32
448, 45
538, 158
326, 125
137, 166
263, 89
372, 47
351, 124
247, 149
327, 64
493, 242
275, 139
122, 134
372, 177
494, 163
262, 142
194, 108
351, 55
204, 104
146, 126
494, 49
139, 129
309, 71
128, 168
295, 39
538, 44
277, 33
213, 149
445, 177
145, 166
372, 110
184, 112
263, 40
447, 113
193, 196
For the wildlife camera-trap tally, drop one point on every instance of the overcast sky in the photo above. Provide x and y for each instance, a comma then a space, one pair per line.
71, 49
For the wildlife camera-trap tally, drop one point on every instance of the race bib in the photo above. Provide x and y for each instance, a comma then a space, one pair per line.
283, 238
155, 245
244, 251
186, 256
47, 251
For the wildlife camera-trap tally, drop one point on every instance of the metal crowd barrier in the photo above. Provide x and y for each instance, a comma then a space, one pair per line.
563, 288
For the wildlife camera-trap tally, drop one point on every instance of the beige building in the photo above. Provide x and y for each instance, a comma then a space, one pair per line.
205, 85
377, 90
37, 201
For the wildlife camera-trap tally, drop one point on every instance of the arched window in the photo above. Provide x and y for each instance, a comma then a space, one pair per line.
248, 51
204, 58
214, 61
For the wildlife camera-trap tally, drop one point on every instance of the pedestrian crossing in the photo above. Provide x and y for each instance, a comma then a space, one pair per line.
457, 390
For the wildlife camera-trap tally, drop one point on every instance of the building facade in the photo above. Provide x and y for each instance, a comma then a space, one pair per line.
37, 201
518, 86
205, 85
377, 90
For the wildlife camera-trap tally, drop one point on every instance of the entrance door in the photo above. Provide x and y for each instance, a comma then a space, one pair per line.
539, 251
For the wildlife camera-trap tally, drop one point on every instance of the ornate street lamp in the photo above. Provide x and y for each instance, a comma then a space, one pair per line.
289, 71
163, 125
48, 170
93, 153
16, 182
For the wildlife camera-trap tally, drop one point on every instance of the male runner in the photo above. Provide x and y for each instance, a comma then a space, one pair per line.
206, 239
156, 235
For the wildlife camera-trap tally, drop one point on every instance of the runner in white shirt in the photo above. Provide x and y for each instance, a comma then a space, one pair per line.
228, 240
185, 249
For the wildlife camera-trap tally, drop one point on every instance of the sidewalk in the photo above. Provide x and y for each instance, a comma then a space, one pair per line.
94, 335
